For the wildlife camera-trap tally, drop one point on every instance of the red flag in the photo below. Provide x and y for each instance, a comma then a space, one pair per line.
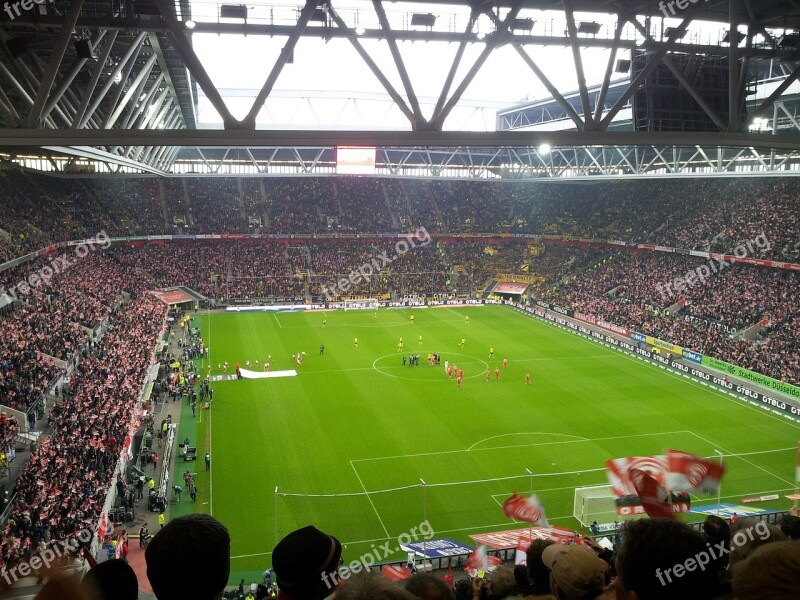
102, 527
396, 573
529, 510
449, 579
652, 495
619, 472
689, 473
480, 560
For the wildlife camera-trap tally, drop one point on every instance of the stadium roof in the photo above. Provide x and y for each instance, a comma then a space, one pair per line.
134, 84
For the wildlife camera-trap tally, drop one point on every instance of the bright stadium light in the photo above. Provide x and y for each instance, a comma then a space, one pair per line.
544, 149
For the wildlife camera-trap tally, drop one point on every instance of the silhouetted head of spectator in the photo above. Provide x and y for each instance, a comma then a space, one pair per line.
770, 573
306, 563
716, 528
718, 531
790, 525
189, 558
521, 576
463, 589
576, 572
661, 559
113, 579
538, 573
429, 587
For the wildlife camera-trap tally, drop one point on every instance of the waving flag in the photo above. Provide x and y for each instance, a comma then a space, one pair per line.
689, 473
395, 573
653, 496
480, 560
623, 486
529, 509
619, 471
449, 579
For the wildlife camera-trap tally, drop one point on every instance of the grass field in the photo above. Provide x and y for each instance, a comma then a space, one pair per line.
354, 420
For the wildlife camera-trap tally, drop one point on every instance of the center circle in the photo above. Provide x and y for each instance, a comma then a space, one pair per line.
392, 365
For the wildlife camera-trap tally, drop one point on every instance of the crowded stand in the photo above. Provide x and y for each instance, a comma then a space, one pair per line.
364, 205
412, 202
215, 206
417, 272
630, 289
134, 204
705, 214
300, 205
476, 263
62, 489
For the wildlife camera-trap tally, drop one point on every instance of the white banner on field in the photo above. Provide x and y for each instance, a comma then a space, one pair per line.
246, 374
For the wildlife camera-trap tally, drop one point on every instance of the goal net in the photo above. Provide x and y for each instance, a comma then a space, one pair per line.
363, 304
595, 503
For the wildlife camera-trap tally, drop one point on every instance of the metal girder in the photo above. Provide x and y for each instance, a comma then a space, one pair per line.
770, 101
576, 56
305, 15
493, 41
94, 78
135, 114
359, 48
59, 48
733, 67
644, 73
326, 32
306, 138
601, 98
134, 90
554, 92
122, 70
69, 77
155, 44
101, 156
419, 120
451, 74
186, 52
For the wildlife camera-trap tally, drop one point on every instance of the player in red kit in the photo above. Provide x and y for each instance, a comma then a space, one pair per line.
458, 381
497, 373
488, 374
527, 378
461, 374
505, 362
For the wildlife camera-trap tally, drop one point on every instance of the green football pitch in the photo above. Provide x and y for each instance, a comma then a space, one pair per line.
349, 440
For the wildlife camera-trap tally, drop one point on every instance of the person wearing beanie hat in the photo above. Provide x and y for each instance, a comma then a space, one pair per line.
189, 558
112, 578
306, 564
576, 572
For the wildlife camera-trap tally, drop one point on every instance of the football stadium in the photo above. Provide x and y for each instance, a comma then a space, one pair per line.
416, 300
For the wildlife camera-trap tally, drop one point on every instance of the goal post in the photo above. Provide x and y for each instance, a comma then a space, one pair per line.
363, 304
595, 503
